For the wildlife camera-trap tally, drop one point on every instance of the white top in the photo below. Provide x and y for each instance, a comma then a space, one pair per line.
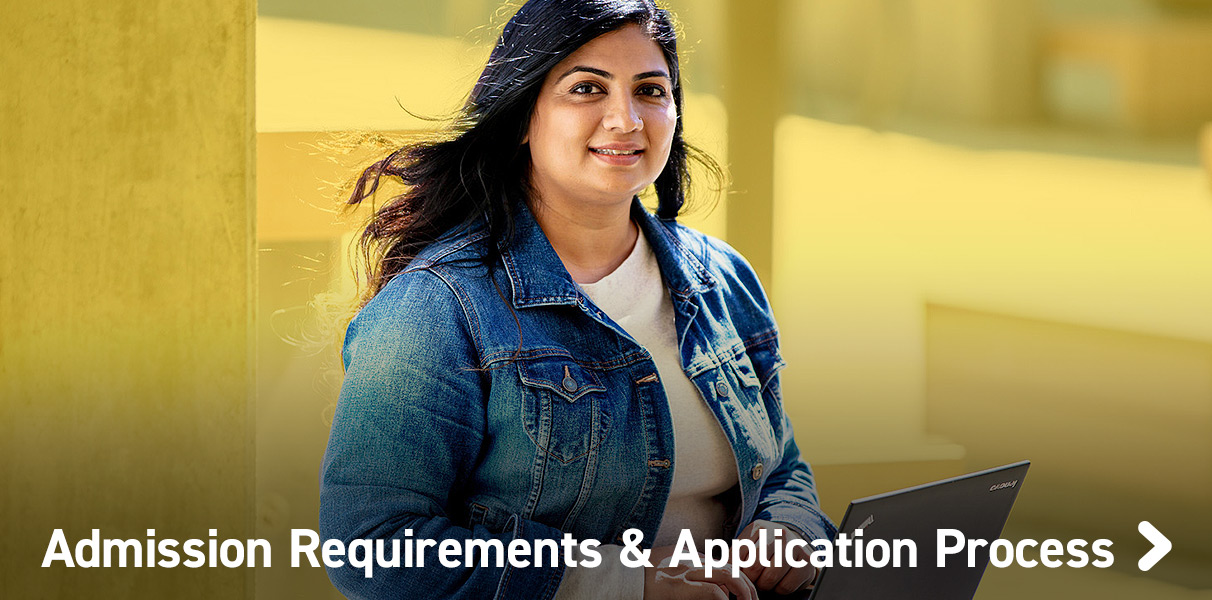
636, 298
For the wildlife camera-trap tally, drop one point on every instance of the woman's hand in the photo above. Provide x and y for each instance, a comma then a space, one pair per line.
687, 582
785, 579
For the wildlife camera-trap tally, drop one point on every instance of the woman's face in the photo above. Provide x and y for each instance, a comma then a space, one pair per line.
603, 123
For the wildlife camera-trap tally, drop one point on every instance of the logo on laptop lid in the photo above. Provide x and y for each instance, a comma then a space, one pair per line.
1003, 485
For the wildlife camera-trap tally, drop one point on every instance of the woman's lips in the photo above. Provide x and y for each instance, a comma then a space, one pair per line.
617, 156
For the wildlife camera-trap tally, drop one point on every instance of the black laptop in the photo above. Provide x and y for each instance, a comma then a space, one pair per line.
977, 504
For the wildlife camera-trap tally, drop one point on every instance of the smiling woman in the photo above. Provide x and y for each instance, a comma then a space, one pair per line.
534, 345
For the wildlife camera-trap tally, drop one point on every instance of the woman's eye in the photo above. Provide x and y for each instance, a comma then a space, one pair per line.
655, 91
584, 88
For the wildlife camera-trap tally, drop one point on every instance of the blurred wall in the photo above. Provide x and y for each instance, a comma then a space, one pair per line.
1021, 305
874, 60
126, 272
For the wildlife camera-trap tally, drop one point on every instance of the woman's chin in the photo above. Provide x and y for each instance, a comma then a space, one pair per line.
617, 189
615, 196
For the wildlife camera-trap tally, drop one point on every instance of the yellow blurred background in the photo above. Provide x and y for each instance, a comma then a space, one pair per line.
985, 225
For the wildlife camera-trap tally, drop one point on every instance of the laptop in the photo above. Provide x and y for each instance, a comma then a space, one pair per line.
976, 504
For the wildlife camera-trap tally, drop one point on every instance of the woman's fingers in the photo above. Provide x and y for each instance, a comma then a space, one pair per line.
771, 576
740, 586
685, 582
794, 580
783, 579
680, 589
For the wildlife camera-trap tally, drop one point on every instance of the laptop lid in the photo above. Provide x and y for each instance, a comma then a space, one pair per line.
976, 504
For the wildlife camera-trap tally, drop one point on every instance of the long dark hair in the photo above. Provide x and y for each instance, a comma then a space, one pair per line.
479, 168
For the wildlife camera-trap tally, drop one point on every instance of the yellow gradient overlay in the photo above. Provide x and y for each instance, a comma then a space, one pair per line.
991, 239
126, 287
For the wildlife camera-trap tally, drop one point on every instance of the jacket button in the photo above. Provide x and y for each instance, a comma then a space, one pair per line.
569, 384
756, 473
721, 388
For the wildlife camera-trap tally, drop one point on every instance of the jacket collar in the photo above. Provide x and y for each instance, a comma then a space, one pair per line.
538, 278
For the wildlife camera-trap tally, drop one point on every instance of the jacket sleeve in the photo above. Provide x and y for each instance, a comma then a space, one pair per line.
407, 429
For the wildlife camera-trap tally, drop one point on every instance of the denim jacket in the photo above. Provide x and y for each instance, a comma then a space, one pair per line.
502, 403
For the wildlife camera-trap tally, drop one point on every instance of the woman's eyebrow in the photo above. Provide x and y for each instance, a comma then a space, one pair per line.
608, 75
584, 69
657, 73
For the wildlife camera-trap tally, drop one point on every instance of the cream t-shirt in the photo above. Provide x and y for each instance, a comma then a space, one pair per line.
635, 297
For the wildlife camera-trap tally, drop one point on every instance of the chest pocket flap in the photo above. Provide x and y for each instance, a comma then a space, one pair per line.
564, 378
744, 369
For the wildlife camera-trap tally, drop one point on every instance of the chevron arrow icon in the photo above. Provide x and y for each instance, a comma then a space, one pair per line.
1161, 545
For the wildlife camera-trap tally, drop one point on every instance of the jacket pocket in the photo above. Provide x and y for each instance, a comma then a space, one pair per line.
562, 407
743, 370
767, 362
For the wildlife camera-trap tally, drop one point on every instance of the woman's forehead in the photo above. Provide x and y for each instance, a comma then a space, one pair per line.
624, 52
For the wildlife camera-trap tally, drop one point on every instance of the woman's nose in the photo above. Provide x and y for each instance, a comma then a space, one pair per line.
622, 116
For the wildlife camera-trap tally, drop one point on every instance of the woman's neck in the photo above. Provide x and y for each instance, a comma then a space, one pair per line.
591, 241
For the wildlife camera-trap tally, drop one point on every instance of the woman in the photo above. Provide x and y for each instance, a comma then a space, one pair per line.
536, 344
